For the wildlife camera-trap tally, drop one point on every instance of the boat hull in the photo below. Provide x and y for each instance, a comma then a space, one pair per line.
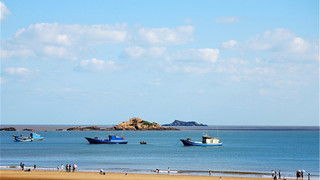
99, 141
192, 143
26, 139
22, 140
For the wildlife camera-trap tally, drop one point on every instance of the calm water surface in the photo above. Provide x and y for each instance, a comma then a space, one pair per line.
243, 150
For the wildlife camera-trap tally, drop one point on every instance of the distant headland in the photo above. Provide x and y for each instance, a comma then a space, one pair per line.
184, 123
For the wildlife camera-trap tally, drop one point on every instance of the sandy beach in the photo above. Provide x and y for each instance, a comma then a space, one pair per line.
52, 175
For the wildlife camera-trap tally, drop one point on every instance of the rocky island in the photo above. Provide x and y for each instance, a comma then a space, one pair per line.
137, 124
134, 124
184, 123
89, 128
8, 129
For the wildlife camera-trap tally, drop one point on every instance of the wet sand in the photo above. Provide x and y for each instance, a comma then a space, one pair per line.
55, 175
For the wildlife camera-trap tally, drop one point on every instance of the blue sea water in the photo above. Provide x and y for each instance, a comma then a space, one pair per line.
242, 150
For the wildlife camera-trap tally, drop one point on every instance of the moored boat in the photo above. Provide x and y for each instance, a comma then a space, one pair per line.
32, 137
206, 141
111, 140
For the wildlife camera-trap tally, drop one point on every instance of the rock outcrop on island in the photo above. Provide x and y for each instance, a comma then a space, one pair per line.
184, 123
8, 129
89, 128
137, 124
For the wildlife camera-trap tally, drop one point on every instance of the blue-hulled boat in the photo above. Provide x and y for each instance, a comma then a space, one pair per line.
206, 141
111, 140
32, 137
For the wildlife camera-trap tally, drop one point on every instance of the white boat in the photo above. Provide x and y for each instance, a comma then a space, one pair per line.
206, 141
32, 137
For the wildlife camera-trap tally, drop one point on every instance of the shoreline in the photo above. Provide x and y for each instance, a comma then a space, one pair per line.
145, 171
237, 175
9, 174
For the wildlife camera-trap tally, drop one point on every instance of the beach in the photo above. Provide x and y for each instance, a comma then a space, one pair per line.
52, 175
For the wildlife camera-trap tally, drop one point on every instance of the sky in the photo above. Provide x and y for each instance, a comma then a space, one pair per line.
222, 62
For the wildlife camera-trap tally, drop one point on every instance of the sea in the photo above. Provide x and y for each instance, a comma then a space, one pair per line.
243, 150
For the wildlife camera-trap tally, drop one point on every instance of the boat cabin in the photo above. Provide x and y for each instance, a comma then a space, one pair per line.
210, 140
113, 137
35, 136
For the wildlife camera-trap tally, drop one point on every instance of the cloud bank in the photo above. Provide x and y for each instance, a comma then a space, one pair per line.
54, 40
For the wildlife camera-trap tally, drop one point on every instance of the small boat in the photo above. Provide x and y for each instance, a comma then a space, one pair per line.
21, 138
32, 137
111, 140
143, 142
206, 141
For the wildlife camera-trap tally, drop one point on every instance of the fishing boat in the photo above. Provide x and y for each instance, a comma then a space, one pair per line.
143, 142
111, 140
206, 141
32, 137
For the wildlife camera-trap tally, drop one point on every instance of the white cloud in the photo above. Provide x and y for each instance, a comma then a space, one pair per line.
140, 52
208, 54
97, 65
18, 71
229, 44
5, 54
134, 52
229, 19
56, 51
195, 55
156, 51
277, 45
190, 55
188, 68
188, 61
63, 39
166, 36
3, 11
67, 34
68, 41
299, 45
197, 61
278, 40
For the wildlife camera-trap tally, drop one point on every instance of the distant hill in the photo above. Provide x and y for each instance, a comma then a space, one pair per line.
184, 123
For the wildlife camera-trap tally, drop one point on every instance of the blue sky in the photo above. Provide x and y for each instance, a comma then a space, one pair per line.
215, 62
